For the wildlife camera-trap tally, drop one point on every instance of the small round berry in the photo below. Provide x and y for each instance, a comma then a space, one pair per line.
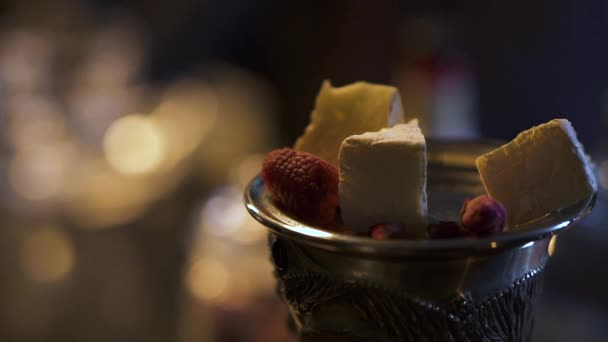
303, 185
483, 215
385, 231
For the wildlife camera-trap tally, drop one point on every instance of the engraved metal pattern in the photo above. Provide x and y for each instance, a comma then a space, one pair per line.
506, 316
370, 309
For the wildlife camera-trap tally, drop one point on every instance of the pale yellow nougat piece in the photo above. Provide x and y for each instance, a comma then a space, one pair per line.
344, 111
543, 169
383, 179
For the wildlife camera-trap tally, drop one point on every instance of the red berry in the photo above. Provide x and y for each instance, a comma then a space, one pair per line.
445, 230
385, 231
303, 184
483, 215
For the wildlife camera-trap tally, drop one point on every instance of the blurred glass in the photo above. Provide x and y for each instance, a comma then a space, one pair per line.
102, 171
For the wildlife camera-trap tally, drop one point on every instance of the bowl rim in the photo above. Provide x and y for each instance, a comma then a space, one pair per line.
258, 204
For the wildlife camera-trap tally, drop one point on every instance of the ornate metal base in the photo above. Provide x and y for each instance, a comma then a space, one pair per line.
328, 308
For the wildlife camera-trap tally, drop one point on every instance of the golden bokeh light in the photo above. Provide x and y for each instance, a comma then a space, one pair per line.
251, 232
246, 169
223, 214
40, 173
25, 60
47, 255
134, 144
113, 55
186, 114
246, 106
33, 120
207, 279
98, 197
251, 284
93, 109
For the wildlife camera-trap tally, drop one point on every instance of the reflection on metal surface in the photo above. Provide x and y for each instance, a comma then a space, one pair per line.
134, 145
47, 255
313, 232
527, 244
552, 243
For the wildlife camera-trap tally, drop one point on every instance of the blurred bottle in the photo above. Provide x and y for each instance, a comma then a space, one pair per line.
436, 80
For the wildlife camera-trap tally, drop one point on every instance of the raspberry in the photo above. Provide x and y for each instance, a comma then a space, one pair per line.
483, 215
302, 184
385, 231
445, 230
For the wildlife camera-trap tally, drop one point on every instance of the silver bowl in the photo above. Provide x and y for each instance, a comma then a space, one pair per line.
353, 288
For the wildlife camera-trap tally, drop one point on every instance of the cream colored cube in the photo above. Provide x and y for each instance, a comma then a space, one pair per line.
383, 179
543, 169
344, 111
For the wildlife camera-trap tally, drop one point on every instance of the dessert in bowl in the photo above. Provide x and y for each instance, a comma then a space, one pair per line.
379, 233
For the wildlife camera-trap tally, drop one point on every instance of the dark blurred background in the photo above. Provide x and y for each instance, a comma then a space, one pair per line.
128, 130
